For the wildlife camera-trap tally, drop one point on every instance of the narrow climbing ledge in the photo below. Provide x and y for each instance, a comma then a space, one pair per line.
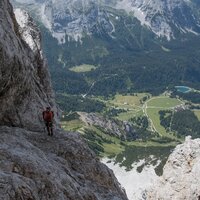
180, 179
34, 166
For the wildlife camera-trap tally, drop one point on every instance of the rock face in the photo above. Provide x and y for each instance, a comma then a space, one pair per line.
166, 17
25, 88
34, 166
29, 31
110, 126
60, 168
74, 18
180, 179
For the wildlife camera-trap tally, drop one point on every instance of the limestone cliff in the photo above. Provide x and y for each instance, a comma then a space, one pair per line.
180, 179
34, 166
25, 88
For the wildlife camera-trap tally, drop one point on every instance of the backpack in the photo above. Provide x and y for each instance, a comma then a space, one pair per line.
48, 116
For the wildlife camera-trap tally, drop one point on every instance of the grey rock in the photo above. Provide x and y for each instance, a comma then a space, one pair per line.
166, 17
25, 85
110, 126
75, 18
120, 129
72, 20
35, 166
180, 179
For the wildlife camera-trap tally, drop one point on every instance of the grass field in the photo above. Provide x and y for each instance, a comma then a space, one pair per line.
73, 125
109, 149
79, 126
132, 105
125, 116
155, 117
134, 108
112, 149
154, 105
83, 68
163, 102
128, 101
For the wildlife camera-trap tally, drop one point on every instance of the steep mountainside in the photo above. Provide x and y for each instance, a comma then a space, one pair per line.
25, 83
166, 17
132, 45
76, 18
34, 166
180, 179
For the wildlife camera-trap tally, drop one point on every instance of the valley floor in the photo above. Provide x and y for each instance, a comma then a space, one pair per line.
155, 118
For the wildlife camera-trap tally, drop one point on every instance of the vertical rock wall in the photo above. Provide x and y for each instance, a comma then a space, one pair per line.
25, 86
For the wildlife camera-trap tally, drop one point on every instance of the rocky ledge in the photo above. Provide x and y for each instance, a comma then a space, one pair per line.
35, 166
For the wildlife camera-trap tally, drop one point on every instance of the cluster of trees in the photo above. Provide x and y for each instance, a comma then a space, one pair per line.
77, 103
165, 118
142, 134
140, 126
141, 122
186, 123
183, 122
93, 141
193, 97
113, 112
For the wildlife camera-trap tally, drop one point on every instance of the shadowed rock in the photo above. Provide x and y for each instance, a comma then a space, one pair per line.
25, 88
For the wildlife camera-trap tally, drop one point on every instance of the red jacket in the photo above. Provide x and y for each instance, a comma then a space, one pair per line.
48, 116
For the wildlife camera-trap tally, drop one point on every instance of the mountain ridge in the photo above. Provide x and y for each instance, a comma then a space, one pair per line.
73, 19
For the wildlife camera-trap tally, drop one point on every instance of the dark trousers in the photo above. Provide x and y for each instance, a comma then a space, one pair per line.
49, 126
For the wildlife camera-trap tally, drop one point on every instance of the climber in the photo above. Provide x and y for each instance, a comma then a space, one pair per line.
48, 116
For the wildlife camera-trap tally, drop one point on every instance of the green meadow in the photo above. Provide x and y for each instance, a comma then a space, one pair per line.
82, 68
156, 104
163, 102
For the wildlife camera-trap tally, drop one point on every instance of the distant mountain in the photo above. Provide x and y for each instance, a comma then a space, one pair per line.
165, 17
77, 17
133, 45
